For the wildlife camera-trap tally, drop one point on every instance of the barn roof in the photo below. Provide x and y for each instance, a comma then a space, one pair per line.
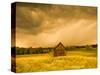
60, 44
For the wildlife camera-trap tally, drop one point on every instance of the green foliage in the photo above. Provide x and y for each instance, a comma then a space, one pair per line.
22, 51
30, 50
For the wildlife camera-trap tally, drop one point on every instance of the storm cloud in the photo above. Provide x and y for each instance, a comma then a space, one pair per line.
47, 24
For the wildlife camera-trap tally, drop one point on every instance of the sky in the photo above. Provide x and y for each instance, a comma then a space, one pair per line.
45, 25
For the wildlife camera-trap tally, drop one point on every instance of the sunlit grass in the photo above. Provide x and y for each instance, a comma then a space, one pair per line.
46, 62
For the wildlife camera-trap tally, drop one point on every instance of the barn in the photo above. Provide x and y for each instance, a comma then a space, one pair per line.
59, 50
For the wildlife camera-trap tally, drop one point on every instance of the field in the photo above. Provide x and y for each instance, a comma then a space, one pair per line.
47, 62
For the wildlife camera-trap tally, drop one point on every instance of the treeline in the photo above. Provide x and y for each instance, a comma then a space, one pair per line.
22, 51
85, 47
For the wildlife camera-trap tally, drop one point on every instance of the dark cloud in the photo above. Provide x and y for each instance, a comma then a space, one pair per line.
43, 13
47, 21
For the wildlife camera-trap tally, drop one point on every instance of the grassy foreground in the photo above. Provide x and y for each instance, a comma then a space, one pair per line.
46, 62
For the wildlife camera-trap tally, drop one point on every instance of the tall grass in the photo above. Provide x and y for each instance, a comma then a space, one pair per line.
46, 62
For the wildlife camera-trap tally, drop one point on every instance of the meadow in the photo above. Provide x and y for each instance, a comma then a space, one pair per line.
74, 59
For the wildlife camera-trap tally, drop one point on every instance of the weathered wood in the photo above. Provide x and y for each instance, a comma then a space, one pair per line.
59, 50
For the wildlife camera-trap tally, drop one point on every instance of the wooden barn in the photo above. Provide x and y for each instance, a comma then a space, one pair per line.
59, 50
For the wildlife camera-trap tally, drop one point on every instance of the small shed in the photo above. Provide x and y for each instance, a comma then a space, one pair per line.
59, 50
